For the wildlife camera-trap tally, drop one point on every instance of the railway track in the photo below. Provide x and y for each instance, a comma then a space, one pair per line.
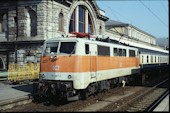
119, 105
155, 104
143, 102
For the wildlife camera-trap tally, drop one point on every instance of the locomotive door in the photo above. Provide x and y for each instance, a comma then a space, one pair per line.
93, 60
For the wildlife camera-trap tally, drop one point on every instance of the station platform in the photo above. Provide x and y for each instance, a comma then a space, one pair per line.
13, 93
163, 106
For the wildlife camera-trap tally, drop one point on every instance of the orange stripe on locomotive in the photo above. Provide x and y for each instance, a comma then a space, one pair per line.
86, 63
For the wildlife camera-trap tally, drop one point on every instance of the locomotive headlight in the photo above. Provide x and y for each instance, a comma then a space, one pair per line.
69, 76
55, 57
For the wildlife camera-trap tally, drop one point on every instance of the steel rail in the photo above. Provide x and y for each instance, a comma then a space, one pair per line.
140, 96
157, 102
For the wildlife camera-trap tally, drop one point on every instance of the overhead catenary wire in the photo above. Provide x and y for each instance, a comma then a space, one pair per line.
116, 17
116, 31
153, 13
163, 6
111, 10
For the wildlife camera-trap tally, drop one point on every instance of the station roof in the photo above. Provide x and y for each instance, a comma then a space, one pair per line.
112, 23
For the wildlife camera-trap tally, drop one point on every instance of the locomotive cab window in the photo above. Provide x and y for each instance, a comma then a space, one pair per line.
51, 47
67, 47
103, 50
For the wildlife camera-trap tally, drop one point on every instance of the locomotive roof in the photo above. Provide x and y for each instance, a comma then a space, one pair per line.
89, 41
92, 40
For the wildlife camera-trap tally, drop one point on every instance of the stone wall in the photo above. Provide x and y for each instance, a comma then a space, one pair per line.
47, 23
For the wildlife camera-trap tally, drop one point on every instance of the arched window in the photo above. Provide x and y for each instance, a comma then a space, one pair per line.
100, 30
61, 22
90, 25
3, 23
72, 22
31, 22
81, 19
84, 21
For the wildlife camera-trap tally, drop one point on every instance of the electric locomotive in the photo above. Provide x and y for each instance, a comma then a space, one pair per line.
74, 68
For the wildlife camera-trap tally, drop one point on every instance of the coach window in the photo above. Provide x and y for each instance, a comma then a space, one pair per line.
87, 48
131, 53
103, 51
142, 59
115, 52
151, 59
155, 59
147, 59
158, 59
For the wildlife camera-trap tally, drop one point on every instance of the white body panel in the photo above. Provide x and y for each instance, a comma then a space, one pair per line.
82, 80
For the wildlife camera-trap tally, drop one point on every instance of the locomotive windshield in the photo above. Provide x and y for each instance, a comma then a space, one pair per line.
60, 48
51, 47
67, 47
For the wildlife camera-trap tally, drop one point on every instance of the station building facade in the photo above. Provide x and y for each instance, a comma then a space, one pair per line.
25, 25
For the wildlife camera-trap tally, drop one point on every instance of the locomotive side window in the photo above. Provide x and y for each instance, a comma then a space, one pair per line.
67, 47
124, 52
131, 53
103, 50
120, 52
87, 48
115, 52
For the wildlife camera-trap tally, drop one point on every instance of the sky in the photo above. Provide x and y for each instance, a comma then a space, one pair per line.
150, 16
